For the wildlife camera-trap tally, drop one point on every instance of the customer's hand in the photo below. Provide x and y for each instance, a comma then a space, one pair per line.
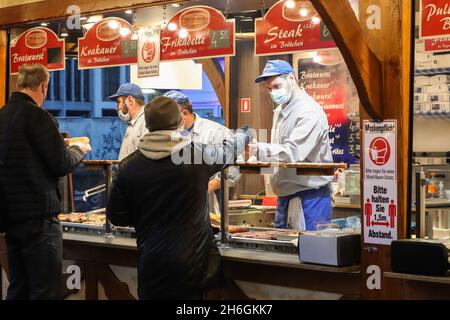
85, 147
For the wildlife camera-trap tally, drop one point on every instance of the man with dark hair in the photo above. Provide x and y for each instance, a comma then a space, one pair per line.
33, 156
178, 257
130, 109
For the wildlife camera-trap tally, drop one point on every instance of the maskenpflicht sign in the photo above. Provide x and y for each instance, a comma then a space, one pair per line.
380, 181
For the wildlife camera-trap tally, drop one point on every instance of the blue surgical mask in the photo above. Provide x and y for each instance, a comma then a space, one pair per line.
281, 96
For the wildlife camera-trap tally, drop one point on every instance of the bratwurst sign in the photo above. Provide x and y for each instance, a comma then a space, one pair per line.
197, 32
37, 46
108, 43
290, 26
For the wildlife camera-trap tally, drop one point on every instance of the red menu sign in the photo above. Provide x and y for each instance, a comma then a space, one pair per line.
37, 45
289, 26
434, 18
325, 77
437, 45
108, 43
197, 32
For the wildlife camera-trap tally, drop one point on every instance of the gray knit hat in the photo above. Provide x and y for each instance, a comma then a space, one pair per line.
162, 113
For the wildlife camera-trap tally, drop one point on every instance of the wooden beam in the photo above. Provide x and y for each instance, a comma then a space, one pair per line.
3, 66
56, 9
364, 66
217, 78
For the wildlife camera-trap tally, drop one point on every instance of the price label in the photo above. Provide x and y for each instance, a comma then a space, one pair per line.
220, 39
129, 48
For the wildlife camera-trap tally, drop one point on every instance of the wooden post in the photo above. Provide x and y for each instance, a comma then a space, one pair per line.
384, 95
3, 66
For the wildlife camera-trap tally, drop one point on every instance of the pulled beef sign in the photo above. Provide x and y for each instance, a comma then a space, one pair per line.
434, 18
37, 46
108, 43
289, 26
198, 32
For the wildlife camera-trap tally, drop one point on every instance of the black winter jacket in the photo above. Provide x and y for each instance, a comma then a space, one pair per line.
33, 156
167, 205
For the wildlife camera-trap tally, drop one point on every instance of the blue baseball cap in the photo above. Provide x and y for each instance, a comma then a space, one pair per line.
128, 89
176, 95
275, 68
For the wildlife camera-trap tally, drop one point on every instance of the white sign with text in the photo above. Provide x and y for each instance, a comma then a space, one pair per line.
148, 52
380, 181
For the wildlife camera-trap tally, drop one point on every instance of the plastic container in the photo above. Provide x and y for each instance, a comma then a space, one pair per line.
432, 187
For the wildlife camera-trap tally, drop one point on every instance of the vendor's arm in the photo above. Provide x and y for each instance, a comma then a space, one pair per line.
304, 140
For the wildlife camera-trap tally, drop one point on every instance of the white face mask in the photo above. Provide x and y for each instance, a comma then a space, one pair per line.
281, 96
125, 117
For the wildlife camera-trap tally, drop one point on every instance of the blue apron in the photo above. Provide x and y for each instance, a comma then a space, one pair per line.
316, 204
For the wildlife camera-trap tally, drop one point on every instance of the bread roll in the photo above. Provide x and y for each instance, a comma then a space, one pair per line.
79, 139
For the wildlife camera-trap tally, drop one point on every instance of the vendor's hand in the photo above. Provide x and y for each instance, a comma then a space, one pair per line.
253, 148
85, 147
213, 185
249, 133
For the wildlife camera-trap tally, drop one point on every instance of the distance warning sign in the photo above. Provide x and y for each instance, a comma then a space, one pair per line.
380, 181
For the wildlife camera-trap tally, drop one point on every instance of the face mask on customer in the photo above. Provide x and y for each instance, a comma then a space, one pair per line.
281, 96
125, 117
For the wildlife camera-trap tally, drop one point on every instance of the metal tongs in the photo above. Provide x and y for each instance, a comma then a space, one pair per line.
96, 211
90, 192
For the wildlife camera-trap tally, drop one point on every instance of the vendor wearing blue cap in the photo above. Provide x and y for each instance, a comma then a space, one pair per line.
299, 135
207, 132
130, 109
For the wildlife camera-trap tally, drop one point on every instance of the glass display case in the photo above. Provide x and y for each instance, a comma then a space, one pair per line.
430, 214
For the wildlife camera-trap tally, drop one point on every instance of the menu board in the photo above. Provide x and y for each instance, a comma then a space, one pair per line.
325, 77
37, 46
434, 19
291, 26
197, 32
108, 43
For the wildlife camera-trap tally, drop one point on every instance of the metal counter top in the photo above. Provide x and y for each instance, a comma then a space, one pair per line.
230, 254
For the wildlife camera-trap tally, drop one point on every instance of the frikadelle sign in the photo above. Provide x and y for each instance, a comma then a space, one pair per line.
198, 32
108, 43
37, 46
290, 26
434, 19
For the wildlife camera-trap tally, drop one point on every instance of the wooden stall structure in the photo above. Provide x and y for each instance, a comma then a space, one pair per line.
379, 60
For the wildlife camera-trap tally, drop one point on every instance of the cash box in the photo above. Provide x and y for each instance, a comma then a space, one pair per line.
331, 247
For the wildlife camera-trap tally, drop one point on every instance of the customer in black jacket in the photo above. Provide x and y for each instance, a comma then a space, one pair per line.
33, 156
161, 190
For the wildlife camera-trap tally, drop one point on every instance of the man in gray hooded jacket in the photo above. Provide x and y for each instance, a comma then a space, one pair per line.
161, 189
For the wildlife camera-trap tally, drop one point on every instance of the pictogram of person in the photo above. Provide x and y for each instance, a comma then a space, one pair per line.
368, 212
392, 211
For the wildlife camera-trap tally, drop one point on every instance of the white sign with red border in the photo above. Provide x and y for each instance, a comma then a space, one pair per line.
245, 105
148, 52
380, 181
